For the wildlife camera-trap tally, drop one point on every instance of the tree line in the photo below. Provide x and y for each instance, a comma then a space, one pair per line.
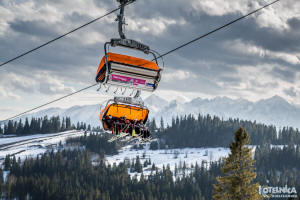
277, 166
96, 143
41, 125
208, 131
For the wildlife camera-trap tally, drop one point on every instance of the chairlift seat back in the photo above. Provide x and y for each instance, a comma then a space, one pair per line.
129, 71
116, 111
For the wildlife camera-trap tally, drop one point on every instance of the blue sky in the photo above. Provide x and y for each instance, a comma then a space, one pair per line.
253, 59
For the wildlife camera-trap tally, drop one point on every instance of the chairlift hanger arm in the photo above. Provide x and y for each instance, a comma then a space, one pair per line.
123, 41
121, 18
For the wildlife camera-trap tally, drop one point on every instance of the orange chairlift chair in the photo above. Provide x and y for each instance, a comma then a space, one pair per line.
122, 106
126, 71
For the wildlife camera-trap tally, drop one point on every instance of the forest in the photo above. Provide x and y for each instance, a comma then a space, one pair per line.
96, 143
41, 125
70, 174
207, 131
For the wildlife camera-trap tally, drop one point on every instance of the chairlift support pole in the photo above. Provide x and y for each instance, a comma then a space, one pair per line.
121, 18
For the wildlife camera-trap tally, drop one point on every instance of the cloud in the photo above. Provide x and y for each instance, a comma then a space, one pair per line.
177, 75
291, 92
284, 74
33, 28
154, 26
8, 94
294, 23
220, 7
251, 49
49, 85
247, 59
43, 82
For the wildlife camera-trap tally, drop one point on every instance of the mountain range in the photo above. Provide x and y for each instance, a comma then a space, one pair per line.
273, 111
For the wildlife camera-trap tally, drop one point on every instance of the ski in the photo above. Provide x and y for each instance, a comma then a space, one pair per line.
114, 138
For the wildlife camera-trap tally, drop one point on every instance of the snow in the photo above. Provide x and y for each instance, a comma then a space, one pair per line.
5, 175
8, 140
33, 145
170, 157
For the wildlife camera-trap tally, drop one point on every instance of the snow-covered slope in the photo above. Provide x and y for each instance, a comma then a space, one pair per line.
171, 157
275, 110
33, 145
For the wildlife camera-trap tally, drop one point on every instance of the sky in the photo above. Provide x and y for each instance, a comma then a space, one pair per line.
255, 58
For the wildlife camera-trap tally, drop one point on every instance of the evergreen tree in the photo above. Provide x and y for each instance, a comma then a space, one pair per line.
32, 125
46, 128
63, 125
1, 180
26, 127
20, 128
162, 124
7, 162
68, 123
138, 166
10, 127
15, 127
239, 172
38, 125
5, 129
152, 125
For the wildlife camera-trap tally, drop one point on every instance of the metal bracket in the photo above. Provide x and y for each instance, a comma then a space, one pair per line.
129, 43
129, 100
99, 88
138, 93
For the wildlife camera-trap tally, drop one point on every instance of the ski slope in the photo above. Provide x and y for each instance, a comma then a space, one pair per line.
171, 157
33, 145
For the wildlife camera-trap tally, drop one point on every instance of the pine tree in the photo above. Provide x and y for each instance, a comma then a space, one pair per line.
239, 172
15, 127
68, 123
26, 127
63, 125
138, 166
20, 128
32, 125
5, 129
152, 125
162, 124
7, 162
10, 127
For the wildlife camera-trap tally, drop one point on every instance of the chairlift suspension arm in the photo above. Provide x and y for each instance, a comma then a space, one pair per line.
121, 18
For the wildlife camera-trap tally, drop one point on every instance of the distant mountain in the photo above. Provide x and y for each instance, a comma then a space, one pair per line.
275, 110
155, 103
88, 114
